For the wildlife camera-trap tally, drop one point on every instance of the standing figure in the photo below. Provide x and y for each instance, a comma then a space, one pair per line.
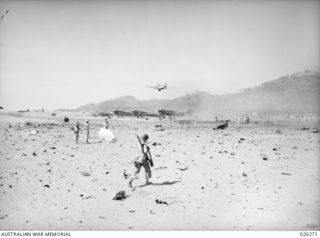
106, 123
77, 131
145, 160
88, 132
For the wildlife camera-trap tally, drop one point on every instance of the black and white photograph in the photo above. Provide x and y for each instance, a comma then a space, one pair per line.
160, 115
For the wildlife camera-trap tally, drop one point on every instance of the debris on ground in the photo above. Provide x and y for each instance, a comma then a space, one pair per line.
277, 131
286, 174
121, 195
184, 168
156, 143
28, 123
85, 173
158, 201
125, 175
160, 167
221, 127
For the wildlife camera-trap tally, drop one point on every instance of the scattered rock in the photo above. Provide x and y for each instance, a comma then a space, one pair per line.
46, 185
221, 127
28, 123
184, 168
152, 212
3, 217
158, 201
160, 167
244, 174
265, 158
286, 174
125, 175
121, 195
85, 173
277, 131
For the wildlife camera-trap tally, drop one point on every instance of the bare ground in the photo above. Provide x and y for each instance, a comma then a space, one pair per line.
210, 180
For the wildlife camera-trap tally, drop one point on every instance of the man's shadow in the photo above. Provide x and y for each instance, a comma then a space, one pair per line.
159, 184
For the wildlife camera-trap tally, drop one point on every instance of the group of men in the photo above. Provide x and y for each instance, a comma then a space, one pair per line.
77, 130
143, 160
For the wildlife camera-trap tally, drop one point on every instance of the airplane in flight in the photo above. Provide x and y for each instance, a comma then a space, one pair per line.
159, 87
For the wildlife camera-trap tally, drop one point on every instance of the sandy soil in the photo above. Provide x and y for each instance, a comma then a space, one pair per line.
211, 180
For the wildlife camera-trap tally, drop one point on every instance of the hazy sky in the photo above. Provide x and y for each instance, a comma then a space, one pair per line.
63, 54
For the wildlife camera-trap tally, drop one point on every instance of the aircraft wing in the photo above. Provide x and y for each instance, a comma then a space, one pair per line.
152, 87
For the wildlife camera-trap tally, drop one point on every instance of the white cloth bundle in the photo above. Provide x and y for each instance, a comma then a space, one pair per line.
106, 134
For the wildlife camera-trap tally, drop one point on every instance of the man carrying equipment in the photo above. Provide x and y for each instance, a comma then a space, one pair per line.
145, 160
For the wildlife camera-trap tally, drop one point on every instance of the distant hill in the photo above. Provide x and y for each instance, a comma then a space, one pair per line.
296, 93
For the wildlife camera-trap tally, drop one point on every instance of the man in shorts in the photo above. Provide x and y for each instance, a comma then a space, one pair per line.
144, 160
